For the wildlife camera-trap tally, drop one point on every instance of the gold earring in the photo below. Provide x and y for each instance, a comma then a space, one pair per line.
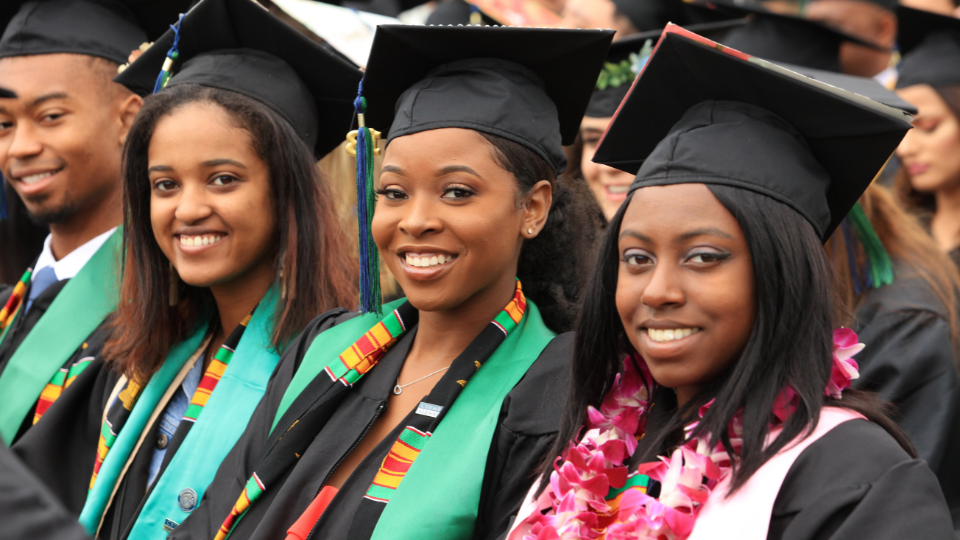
174, 286
530, 231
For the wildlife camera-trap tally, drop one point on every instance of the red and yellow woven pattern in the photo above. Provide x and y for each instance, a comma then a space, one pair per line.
360, 357
60, 382
13, 304
395, 466
251, 492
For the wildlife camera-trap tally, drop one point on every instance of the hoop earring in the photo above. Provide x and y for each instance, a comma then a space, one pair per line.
174, 296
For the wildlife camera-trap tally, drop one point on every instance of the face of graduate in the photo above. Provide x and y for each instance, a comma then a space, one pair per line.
930, 151
61, 137
685, 289
450, 221
861, 19
211, 206
596, 14
609, 185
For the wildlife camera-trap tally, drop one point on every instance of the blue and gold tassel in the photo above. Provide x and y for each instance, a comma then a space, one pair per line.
362, 144
164, 77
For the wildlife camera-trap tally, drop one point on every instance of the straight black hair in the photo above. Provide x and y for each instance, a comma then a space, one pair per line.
791, 344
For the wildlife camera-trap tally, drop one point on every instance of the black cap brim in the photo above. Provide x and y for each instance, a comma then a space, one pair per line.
566, 60
864, 86
686, 70
218, 25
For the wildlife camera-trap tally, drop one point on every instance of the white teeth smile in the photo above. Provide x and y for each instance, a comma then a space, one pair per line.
427, 260
34, 178
618, 190
662, 336
202, 240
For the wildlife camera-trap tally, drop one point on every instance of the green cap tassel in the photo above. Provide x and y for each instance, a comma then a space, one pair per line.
362, 145
879, 266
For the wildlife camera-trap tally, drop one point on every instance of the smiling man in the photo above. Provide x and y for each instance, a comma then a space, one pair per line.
63, 122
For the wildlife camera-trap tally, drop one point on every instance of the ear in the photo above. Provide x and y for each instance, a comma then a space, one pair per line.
128, 106
887, 29
536, 208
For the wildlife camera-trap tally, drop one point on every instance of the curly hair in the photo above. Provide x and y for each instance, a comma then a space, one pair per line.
554, 267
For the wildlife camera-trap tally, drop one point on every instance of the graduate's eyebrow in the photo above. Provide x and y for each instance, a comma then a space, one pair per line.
704, 231
449, 169
47, 97
160, 168
222, 161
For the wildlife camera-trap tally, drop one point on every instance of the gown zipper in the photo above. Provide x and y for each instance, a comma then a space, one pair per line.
344, 456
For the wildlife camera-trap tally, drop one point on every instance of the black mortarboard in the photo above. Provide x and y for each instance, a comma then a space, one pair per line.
237, 45
930, 45
782, 38
703, 113
528, 85
459, 12
865, 86
625, 59
108, 29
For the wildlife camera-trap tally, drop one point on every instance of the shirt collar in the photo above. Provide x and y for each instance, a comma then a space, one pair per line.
67, 267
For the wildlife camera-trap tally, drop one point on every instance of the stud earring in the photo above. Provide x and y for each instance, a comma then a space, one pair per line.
530, 231
174, 286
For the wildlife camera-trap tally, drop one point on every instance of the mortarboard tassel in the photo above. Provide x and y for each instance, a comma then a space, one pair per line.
850, 243
362, 145
476, 18
879, 266
164, 77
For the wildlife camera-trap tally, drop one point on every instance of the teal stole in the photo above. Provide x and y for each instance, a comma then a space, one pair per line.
440, 494
218, 427
79, 308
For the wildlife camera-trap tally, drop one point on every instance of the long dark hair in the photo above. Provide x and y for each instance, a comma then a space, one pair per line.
791, 342
554, 266
312, 249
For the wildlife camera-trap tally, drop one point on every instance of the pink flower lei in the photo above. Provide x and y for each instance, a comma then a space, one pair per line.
581, 505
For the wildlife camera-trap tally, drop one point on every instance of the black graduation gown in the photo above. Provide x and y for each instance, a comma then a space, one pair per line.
62, 447
29, 510
24, 324
529, 420
856, 482
908, 360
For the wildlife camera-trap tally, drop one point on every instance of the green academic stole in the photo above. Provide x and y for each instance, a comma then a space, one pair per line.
115, 447
223, 420
79, 308
466, 431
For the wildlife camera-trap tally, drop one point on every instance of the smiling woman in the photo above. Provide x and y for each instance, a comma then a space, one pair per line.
705, 334
426, 421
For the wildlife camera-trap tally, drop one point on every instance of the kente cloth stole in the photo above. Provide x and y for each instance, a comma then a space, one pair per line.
309, 410
120, 409
79, 308
424, 420
10, 309
240, 373
60, 381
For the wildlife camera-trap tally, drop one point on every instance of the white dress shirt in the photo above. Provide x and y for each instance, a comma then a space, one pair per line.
68, 266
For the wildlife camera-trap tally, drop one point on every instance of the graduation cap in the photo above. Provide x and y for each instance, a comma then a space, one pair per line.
864, 86
108, 29
237, 45
930, 45
527, 85
713, 115
625, 59
783, 38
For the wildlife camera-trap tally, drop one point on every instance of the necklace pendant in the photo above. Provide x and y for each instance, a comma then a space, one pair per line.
397, 390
